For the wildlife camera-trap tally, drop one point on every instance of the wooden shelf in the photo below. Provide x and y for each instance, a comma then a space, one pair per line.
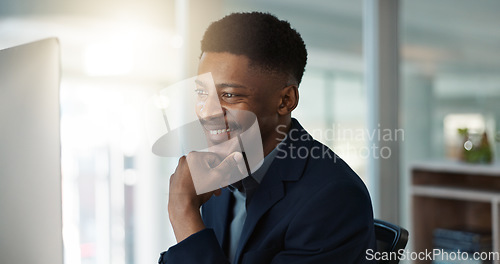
452, 194
458, 167
456, 193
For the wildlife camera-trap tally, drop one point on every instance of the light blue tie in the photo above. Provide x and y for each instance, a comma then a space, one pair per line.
242, 191
239, 216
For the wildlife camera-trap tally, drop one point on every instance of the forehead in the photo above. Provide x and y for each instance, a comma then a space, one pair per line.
224, 65
227, 68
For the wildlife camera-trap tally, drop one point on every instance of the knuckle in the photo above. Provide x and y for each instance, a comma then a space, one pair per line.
190, 156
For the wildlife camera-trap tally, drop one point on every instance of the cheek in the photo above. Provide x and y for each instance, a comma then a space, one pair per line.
266, 107
244, 117
263, 108
268, 114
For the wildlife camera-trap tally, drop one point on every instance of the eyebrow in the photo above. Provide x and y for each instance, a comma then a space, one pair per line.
222, 85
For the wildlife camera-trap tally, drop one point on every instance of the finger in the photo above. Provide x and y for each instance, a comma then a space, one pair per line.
181, 160
231, 162
212, 159
240, 162
209, 158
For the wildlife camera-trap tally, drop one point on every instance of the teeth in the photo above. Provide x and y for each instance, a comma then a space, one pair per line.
219, 131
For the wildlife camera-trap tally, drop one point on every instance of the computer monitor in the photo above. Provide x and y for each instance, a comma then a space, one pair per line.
30, 170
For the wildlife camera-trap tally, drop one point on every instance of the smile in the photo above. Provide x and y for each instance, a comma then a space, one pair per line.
219, 131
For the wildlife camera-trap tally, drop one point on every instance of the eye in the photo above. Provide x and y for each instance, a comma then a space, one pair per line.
230, 97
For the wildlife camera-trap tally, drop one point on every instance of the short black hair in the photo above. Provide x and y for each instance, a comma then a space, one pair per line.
268, 42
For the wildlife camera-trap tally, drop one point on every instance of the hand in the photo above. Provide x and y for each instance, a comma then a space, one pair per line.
209, 173
184, 200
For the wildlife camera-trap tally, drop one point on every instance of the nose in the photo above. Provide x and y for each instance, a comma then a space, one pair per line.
211, 107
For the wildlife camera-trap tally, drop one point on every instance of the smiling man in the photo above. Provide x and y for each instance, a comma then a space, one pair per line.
298, 206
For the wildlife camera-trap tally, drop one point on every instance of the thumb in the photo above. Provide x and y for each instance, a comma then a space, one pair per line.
231, 162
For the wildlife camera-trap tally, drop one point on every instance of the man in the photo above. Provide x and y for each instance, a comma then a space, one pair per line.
304, 204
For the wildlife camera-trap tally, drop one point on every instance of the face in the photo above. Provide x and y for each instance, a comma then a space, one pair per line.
240, 95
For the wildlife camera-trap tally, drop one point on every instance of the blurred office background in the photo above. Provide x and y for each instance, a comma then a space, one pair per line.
115, 54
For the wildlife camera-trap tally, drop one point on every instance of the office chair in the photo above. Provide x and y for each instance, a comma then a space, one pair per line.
390, 238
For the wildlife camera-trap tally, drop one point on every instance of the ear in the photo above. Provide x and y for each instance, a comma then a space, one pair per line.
289, 99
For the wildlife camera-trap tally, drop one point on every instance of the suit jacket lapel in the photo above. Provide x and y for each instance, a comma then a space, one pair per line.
286, 167
220, 218
269, 192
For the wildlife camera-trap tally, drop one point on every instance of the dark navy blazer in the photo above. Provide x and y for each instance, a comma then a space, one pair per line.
309, 208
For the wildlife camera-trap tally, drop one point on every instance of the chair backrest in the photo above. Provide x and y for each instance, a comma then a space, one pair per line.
390, 238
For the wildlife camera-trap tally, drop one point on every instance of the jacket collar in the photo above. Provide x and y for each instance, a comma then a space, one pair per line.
221, 216
292, 156
288, 165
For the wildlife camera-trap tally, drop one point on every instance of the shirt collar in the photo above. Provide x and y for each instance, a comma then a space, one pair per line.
259, 174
